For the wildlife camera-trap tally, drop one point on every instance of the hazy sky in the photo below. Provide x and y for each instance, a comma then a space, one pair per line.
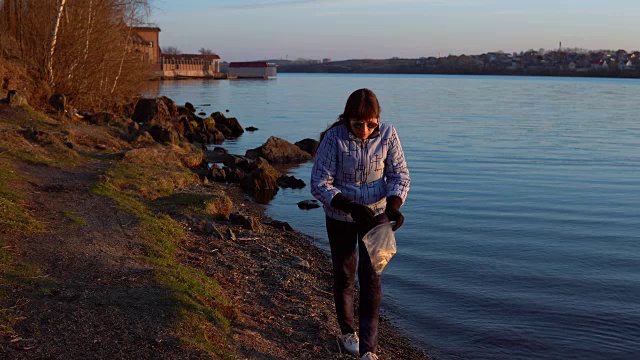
241, 30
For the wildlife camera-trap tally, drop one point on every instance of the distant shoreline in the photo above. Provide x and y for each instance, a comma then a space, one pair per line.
320, 69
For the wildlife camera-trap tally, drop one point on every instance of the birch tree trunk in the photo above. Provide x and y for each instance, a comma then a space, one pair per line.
124, 54
54, 38
86, 46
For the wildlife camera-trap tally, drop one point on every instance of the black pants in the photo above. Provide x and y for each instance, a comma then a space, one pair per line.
343, 237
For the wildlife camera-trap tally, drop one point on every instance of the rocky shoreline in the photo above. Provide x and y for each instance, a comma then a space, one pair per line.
141, 242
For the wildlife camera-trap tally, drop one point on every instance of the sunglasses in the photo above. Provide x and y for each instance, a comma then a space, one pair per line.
358, 125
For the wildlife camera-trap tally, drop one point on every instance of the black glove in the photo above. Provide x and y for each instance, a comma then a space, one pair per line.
393, 211
361, 214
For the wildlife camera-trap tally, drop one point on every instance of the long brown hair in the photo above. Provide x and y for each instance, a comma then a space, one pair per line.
362, 104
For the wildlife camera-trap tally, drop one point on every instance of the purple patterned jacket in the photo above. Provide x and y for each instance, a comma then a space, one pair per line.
365, 171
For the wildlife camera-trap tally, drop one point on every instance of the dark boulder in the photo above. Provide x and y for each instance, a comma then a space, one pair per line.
279, 151
150, 111
164, 135
247, 222
281, 225
215, 137
233, 175
234, 126
251, 128
264, 177
285, 181
58, 102
187, 129
308, 204
308, 145
230, 127
190, 106
215, 173
184, 111
241, 162
170, 104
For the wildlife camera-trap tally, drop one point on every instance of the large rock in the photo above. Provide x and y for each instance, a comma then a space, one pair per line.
150, 111
248, 222
170, 104
263, 177
215, 173
235, 161
233, 175
58, 102
279, 151
164, 135
214, 137
290, 182
308, 145
230, 127
308, 204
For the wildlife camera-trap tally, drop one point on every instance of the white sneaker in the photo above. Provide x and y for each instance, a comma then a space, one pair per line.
369, 356
351, 343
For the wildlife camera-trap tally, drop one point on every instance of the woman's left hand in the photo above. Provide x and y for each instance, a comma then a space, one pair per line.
381, 219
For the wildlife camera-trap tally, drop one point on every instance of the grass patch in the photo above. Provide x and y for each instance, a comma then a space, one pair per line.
14, 217
15, 278
150, 173
38, 147
73, 216
28, 135
218, 205
205, 314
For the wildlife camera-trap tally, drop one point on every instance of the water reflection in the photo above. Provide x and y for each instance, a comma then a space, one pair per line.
263, 197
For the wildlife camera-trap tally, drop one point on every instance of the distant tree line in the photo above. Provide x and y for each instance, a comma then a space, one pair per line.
79, 48
172, 50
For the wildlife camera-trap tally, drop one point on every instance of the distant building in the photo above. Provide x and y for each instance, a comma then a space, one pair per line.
146, 41
252, 70
191, 62
326, 60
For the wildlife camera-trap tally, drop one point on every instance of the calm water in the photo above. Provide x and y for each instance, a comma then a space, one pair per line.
522, 238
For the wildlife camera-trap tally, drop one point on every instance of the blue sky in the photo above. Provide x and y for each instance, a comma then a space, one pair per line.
242, 30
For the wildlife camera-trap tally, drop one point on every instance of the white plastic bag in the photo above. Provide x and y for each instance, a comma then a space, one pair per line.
381, 245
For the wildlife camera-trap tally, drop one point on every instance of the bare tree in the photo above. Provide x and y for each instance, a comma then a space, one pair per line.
171, 50
54, 39
204, 51
84, 49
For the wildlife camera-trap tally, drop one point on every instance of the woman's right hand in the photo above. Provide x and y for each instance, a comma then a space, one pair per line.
361, 214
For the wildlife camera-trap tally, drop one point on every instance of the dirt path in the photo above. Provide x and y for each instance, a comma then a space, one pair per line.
100, 298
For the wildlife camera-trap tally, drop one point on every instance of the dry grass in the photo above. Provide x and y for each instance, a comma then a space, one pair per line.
205, 312
33, 137
15, 218
220, 205
88, 137
150, 173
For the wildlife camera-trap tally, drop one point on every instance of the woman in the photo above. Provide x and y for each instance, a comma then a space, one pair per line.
361, 177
